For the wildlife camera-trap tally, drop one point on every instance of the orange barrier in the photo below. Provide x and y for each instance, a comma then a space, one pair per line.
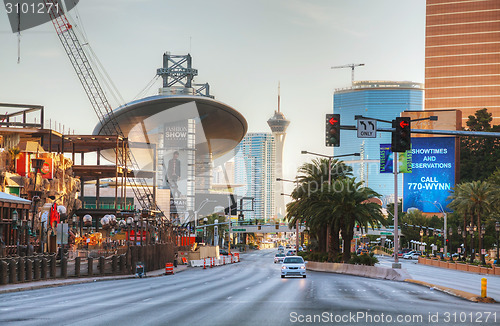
169, 268
184, 260
237, 255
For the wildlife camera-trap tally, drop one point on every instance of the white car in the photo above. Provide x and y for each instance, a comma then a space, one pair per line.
411, 255
278, 258
293, 266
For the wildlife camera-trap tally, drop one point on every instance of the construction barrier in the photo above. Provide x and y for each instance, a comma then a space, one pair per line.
213, 262
169, 268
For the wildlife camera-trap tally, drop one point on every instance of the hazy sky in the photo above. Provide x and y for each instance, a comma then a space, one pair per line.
242, 48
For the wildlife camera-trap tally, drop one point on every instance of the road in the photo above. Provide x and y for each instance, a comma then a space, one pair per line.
248, 293
469, 282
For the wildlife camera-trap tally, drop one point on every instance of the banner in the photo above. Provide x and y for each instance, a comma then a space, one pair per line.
387, 160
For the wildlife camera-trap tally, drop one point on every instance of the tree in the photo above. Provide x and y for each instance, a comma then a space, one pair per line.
474, 199
351, 203
485, 150
314, 178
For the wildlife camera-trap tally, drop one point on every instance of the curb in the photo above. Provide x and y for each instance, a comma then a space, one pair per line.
457, 293
78, 281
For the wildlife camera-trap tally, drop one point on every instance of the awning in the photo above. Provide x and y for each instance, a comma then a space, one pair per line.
7, 198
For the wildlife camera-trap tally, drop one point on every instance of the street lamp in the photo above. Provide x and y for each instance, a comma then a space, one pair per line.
471, 230
497, 229
450, 232
445, 225
483, 232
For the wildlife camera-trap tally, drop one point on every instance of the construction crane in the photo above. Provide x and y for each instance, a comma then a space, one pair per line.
98, 99
352, 66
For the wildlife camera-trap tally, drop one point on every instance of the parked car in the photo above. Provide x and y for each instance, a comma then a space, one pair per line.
223, 252
278, 258
293, 266
291, 253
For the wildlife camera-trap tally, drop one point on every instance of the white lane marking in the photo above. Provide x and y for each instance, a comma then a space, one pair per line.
147, 299
229, 298
248, 288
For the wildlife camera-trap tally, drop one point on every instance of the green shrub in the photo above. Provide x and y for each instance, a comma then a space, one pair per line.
364, 259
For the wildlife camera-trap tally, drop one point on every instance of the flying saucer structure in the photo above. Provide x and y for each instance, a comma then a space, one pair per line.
176, 135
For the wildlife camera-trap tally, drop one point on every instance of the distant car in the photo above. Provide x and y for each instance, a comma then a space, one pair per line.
293, 266
411, 255
291, 253
288, 246
223, 252
278, 258
280, 247
301, 248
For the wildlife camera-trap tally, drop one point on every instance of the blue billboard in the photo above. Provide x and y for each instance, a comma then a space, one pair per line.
433, 174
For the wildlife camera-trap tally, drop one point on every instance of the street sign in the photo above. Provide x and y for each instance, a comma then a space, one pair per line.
239, 230
367, 128
385, 233
199, 230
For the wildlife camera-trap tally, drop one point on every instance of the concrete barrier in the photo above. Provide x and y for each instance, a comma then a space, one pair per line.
360, 270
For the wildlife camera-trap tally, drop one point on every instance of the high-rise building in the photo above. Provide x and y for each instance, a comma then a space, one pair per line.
462, 56
254, 168
376, 99
278, 124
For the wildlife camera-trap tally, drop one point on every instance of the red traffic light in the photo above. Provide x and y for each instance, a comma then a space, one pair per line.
333, 121
403, 124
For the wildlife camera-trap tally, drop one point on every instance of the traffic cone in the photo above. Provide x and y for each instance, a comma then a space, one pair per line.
204, 263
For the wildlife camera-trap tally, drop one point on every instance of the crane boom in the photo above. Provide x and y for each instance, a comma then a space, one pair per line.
97, 97
352, 66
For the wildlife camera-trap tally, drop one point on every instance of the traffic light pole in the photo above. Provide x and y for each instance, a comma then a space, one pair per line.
396, 263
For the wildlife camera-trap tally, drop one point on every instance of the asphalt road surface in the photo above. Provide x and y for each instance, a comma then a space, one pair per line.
248, 293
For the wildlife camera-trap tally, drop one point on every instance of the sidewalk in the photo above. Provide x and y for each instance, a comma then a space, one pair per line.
463, 284
68, 281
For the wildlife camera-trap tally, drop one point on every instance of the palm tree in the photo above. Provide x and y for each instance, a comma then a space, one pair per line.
350, 204
476, 199
308, 205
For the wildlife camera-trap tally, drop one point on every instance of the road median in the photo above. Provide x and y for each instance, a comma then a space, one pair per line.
360, 270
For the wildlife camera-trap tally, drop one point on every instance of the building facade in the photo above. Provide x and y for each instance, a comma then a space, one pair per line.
462, 56
375, 99
255, 169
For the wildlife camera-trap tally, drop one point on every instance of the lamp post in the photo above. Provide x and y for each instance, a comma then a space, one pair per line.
464, 237
483, 232
450, 232
15, 217
205, 221
471, 230
497, 229
136, 220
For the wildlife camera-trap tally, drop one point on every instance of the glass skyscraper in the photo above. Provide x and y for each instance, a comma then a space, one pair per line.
255, 171
375, 99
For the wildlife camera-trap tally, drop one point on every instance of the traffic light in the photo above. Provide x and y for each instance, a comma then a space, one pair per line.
401, 137
277, 226
332, 137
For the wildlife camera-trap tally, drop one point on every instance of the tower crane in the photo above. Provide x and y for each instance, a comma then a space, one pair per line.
97, 97
352, 66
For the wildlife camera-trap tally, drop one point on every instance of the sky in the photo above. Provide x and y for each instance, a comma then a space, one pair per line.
242, 48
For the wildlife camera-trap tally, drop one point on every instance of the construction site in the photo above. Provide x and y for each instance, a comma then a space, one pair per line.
141, 178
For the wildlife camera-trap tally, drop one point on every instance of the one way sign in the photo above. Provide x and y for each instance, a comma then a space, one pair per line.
367, 128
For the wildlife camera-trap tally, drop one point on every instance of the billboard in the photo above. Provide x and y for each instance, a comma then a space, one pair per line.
433, 174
